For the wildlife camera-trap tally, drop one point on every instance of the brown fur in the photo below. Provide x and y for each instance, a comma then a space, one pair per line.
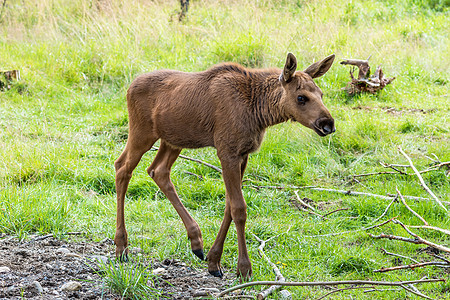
227, 107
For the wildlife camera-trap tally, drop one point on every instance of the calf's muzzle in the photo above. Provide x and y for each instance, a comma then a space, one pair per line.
324, 126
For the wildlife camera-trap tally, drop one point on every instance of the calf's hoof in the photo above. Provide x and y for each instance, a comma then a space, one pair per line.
216, 273
199, 253
244, 273
122, 254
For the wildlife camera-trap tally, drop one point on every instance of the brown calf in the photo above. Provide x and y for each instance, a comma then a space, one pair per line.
227, 107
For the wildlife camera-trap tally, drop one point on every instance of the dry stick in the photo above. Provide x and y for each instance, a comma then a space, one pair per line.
421, 179
303, 202
195, 160
393, 167
343, 289
399, 255
409, 289
263, 294
351, 231
410, 209
381, 290
432, 228
323, 283
439, 257
413, 266
395, 237
334, 211
349, 193
421, 240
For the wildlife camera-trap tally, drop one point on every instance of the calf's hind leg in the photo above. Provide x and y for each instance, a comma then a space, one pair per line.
124, 166
159, 170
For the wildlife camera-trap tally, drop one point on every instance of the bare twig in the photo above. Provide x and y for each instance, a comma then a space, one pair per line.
386, 210
349, 193
263, 294
376, 173
410, 209
394, 237
440, 257
343, 289
195, 160
421, 179
381, 290
415, 292
334, 211
331, 283
421, 240
303, 202
432, 228
351, 231
398, 255
413, 266
299, 205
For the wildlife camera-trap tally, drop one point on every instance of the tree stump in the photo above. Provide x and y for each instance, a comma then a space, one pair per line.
364, 83
6, 77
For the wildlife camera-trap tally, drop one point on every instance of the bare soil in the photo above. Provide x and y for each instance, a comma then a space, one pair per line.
53, 262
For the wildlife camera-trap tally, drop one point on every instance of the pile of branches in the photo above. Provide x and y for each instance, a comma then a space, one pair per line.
439, 253
365, 82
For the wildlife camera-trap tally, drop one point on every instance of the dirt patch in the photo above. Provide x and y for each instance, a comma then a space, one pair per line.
39, 269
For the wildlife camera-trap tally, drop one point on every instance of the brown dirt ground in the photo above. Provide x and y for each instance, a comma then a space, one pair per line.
42, 260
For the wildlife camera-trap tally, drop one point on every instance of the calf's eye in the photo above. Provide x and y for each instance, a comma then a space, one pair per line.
301, 100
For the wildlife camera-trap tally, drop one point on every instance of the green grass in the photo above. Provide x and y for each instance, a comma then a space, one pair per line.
63, 125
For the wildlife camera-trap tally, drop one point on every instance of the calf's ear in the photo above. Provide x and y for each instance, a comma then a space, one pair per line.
289, 68
317, 69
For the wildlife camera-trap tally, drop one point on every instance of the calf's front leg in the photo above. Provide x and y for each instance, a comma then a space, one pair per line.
232, 169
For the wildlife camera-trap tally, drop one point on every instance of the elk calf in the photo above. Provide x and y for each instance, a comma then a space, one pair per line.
227, 107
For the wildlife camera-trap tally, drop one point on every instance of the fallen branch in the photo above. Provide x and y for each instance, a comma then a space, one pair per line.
421, 240
348, 192
302, 202
413, 266
352, 231
399, 255
334, 211
415, 292
195, 160
343, 289
410, 209
280, 278
394, 237
332, 283
421, 179
432, 228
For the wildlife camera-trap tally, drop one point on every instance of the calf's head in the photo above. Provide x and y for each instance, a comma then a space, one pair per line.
302, 100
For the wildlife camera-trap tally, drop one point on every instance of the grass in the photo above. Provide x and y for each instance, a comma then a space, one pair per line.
63, 125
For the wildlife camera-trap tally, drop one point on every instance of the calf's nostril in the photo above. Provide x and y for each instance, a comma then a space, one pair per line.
327, 129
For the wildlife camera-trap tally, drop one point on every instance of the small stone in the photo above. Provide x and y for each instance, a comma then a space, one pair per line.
10, 289
49, 266
285, 295
100, 259
159, 271
62, 250
63, 268
89, 278
205, 292
4, 269
135, 250
71, 254
37, 286
71, 286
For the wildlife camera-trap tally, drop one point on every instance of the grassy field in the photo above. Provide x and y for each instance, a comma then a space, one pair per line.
63, 125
